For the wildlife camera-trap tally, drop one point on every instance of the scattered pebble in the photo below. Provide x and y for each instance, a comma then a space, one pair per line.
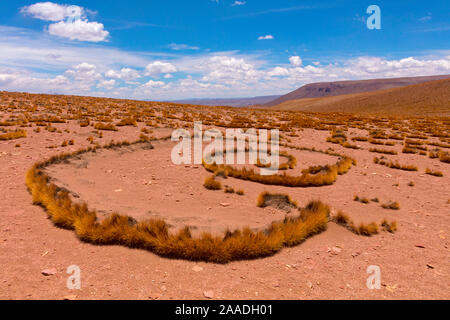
209, 294
49, 272
197, 269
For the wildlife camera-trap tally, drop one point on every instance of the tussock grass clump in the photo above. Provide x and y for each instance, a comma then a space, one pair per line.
395, 165
154, 236
375, 141
411, 184
391, 205
84, 124
280, 201
212, 184
362, 139
240, 192
229, 189
409, 150
13, 135
444, 157
389, 226
344, 220
434, 173
327, 175
362, 200
385, 151
105, 126
127, 122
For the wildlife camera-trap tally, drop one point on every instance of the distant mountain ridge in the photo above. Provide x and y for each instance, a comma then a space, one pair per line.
431, 98
231, 102
329, 89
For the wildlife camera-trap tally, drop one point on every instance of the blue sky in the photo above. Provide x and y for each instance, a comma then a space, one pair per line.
177, 49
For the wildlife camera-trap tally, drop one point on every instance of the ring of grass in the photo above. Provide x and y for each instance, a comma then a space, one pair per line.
154, 236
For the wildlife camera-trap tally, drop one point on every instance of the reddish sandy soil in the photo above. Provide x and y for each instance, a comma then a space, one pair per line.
332, 265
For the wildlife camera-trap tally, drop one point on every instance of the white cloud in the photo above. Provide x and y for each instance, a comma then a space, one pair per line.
230, 70
84, 72
7, 78
81, 30
296, 61
154, 69
428, 17
124, 74
278, 72
50, 11
153, 84
178, 47
267, 37
238, 3
76, 27
107, 84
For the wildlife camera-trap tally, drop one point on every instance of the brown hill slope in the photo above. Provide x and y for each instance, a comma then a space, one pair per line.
329, 89
429, 98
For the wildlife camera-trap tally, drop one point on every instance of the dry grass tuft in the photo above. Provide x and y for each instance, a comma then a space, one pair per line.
105, 126
13, 135
434, 173
395, 165
362, 200
389, 226
212, 184
363, 229
279, 201
391, 205
229, 189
